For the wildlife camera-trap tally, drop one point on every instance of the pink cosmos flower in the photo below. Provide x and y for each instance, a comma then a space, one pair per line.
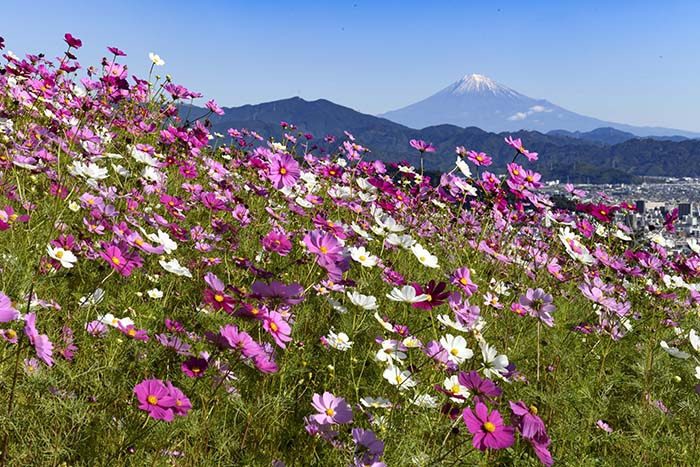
539, 305
462, 278
488, 429
518, 145
331, 410
325, 245
7, 312
479, 158
181, 403
274, 323
41, 342
214, 107
422, 146
284, 171
240, 340
131, 331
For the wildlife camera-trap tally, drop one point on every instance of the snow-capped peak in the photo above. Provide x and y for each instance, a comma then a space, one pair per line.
475, 83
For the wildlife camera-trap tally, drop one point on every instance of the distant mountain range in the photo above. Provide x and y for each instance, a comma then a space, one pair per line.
476, 100
599, 156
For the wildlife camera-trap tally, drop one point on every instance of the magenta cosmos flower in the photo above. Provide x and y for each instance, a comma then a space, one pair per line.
155, 398
488, 428
284, 171
518, 145
422, 146
331, 410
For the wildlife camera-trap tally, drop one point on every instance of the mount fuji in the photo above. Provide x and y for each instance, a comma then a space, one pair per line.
476, 100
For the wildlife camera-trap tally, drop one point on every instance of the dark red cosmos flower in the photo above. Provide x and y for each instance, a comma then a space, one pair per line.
72, 41
602, 212
437, 295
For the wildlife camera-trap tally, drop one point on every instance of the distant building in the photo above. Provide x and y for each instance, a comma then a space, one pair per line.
684, 209
640, 203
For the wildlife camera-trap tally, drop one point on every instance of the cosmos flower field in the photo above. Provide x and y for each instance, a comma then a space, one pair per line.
170, 296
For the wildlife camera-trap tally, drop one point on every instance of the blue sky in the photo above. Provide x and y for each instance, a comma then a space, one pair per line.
635, 62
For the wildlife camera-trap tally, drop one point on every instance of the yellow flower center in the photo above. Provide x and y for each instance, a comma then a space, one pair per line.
274, 327
178, 403
11, 334
219, 298
490, 427
363, 258
463, 281
153, 400
116, 260
139, 242
59, 254
283, 171
429, 299
533, 410
324, 249
455, 389
421, 259
454, 352
330, 412
131, 332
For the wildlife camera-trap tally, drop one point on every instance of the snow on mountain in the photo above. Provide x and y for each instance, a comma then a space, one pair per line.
476, 100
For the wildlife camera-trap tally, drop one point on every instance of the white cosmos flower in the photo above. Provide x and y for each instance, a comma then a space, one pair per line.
155, 293
339, 341
362, 256
447, 321
376, 403
155, 58
110, 320
659, 239
366, 302
456, 348
494, 363
385, 324
463, 167
336, 305
360, 231
424, 256
390, 352
91, 299
406, 294
143, 157
694, 245
65, 257
174, 267
694, 340
456, 389
389, 223
162, 238
673, 351
697, 372
121, 170
424, 400
404, 241
401, 379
